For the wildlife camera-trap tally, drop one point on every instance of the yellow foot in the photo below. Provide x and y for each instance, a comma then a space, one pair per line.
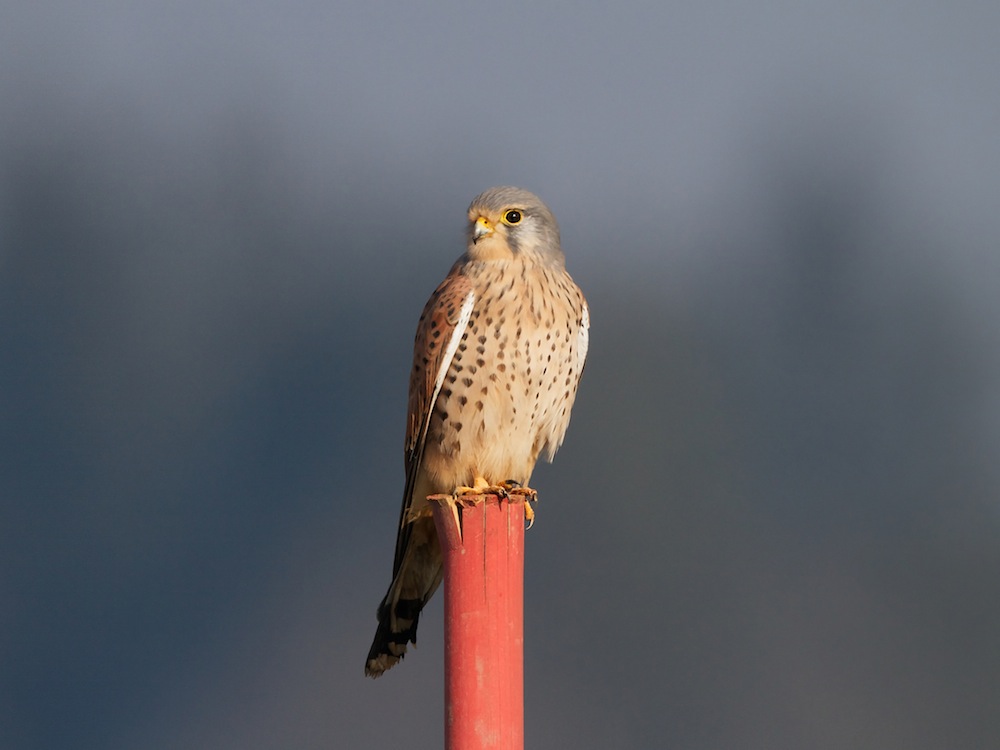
527, 494
479, 487
508, 488
530, 496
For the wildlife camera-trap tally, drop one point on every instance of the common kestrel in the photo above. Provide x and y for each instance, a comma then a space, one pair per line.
499, 351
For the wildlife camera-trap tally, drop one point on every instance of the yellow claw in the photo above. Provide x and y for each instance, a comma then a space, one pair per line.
529, 496
529, 513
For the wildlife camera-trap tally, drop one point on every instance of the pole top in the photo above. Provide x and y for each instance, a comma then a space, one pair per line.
448, 516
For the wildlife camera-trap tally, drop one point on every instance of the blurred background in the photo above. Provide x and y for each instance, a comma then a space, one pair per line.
775, 522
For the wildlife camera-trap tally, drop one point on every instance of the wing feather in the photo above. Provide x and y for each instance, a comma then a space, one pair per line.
583, 340
439, 333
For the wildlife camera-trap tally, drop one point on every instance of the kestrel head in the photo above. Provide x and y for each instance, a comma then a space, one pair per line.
508, 222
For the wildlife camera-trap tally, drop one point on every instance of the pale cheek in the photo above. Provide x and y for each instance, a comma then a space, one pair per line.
490, 248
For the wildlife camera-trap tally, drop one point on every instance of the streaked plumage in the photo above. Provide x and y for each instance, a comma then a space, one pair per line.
499, 351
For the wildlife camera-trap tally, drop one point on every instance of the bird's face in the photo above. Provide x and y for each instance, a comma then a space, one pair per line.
507, 223
497, 234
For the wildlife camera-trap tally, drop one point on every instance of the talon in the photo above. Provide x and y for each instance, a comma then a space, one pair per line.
529, 514
528, 495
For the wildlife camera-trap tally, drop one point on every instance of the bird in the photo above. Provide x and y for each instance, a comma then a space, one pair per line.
498, 354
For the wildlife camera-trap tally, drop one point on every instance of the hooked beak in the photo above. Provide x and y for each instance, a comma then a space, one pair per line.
483, 228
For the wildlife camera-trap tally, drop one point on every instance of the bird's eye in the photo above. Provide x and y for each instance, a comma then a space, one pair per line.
512, 217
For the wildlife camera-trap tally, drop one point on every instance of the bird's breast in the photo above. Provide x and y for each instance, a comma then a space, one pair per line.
512, 380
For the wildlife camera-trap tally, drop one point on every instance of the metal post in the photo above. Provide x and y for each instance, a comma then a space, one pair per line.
482, 540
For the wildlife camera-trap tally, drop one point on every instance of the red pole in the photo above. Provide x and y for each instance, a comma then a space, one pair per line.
482, 540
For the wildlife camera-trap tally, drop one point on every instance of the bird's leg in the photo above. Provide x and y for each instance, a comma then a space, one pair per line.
527, 494
479, 487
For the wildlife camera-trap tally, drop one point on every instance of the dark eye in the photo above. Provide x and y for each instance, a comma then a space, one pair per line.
512, 216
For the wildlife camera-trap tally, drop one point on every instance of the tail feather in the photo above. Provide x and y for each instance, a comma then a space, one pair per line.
415, 582
390, 641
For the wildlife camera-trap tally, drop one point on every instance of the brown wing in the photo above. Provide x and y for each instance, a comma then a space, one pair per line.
439, 332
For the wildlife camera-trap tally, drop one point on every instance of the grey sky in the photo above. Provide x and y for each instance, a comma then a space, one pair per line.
774, 522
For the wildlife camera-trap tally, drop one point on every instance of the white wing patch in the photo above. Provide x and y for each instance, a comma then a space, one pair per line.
449, 352
583, 339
